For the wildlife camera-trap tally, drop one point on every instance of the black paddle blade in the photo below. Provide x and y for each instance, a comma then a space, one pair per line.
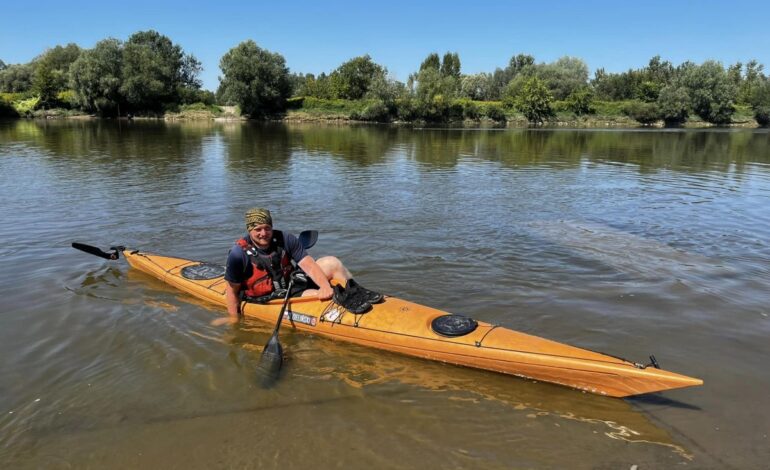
95, 251
270, 363
308, 238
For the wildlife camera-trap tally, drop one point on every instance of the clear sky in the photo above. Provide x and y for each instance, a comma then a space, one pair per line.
317, 36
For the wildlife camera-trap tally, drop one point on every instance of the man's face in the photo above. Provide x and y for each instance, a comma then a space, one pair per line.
261, 235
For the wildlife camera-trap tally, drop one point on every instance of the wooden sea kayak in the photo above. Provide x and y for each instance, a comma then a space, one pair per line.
408, 328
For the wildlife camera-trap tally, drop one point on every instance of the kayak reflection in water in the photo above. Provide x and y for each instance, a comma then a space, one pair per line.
260, 265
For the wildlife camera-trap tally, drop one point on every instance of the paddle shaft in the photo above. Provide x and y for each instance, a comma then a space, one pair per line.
283, 310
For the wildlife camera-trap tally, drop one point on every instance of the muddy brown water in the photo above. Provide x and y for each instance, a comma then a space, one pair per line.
631, 242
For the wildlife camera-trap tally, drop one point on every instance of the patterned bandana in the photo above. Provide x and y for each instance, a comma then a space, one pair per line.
258, 216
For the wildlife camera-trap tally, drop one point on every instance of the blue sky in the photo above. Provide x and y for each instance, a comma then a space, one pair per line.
318, 36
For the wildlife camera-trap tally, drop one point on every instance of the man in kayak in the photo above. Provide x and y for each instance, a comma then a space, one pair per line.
260, 264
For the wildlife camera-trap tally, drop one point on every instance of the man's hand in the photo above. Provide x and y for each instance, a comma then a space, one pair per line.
228, 320
311, 268
326, 292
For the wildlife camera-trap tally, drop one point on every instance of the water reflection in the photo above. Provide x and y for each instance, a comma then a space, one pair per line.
254, 146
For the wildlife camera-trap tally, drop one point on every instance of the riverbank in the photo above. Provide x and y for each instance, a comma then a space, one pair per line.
484, 114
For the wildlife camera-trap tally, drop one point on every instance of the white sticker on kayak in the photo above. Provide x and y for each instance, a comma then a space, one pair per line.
332, 315
300, 318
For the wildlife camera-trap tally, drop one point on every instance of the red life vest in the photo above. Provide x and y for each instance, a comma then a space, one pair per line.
270, 270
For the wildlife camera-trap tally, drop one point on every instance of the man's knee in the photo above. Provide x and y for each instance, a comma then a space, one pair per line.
331, 263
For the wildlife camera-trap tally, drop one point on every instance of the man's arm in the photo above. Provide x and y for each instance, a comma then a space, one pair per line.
234, 272
315, 272
232, 300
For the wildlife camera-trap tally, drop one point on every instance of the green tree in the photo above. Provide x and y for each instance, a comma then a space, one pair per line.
96, 75
673, 105
753, 78
318, 87
615, 86
255, 79
155, 70
429, 86
648, 91
16, 78
712, 92
431, 62
386, 90
352, 79
658, 71
651, 79
642, 84
436, 90
760, 102
734, 74
2, 65
44, 83
534, 101
297, 81
450, 65
513, 89
52, 71
475, 87
520, 64
564, 76
580, 101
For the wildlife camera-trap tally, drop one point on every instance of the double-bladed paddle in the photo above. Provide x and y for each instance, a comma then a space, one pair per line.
271, 361
113, 255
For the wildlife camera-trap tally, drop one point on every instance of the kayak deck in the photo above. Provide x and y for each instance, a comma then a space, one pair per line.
405, 327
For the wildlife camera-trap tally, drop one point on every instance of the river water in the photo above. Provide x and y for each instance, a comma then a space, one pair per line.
630, 242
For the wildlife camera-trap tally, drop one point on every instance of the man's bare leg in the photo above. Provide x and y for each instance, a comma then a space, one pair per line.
333, 268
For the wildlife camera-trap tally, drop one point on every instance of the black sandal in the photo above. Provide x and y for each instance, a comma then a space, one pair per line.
366, 294
349, 300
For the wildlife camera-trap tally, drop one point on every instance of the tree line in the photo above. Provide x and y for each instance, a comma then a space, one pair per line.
149, 74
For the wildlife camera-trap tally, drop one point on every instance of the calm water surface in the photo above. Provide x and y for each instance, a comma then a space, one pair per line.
628, 242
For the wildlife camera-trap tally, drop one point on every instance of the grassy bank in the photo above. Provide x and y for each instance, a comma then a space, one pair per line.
605, 113
309, 109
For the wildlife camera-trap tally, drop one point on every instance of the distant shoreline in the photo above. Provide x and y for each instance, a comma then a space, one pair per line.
301, 117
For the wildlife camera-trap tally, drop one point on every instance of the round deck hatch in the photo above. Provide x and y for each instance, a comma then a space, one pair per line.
453, 325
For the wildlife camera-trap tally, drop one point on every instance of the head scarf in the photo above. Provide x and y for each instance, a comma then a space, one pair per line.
258, 216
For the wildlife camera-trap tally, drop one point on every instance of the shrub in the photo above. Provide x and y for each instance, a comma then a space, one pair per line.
25, 107
673, 105
762, 115
6, 107
66, 99
496, 113
470, 110
534, 101
406, 109
437, 109
376, 111
644, 113
200, 106
760, 103
580, 101
455, 111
